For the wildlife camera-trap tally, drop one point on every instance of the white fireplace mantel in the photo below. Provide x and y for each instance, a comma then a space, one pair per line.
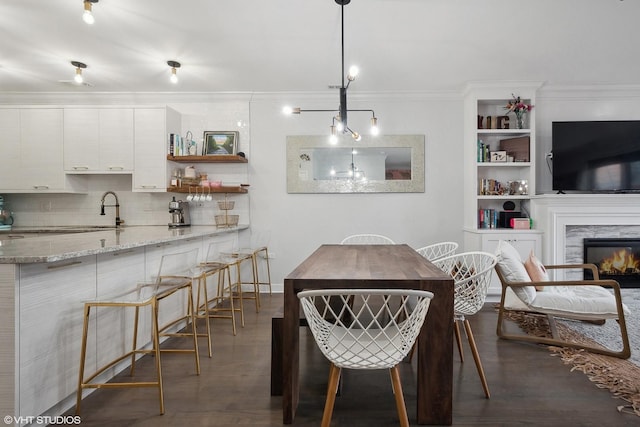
552, 213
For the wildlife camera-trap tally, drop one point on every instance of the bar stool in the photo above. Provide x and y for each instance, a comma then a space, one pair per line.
169, 281
228, 291
255, 253
236, 258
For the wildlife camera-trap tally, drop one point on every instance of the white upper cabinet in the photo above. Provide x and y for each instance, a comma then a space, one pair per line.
152, 125
98, 140
10, 143
40, 168
41, 149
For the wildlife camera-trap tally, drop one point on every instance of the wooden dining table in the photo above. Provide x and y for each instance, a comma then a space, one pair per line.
375, 267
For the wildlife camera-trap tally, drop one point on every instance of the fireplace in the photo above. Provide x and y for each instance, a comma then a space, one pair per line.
617, 259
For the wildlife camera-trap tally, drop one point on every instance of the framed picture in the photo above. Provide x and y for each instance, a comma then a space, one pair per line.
220, 143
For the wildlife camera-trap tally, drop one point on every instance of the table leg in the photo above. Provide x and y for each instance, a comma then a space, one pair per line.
290, 351
435, 361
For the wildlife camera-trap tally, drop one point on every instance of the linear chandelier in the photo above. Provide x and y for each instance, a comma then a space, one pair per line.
339, 122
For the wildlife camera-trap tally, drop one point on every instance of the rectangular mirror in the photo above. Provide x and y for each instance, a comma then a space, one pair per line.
381, 164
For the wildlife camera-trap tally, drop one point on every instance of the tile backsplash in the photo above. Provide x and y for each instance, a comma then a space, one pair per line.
135, 208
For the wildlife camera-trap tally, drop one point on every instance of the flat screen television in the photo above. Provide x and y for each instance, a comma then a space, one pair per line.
596, 156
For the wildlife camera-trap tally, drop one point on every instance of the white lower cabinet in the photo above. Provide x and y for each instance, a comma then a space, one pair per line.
523, 241
48, 299
51, 298
116, 272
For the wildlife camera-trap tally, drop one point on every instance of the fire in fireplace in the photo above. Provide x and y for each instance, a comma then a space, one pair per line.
617, 259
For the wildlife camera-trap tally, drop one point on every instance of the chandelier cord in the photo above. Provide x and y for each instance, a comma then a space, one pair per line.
342, 14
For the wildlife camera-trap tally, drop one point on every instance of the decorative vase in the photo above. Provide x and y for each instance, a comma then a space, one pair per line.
519, 119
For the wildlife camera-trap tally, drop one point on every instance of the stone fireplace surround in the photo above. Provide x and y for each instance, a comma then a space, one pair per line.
566, 219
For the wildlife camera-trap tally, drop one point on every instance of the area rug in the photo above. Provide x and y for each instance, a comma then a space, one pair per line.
620, 377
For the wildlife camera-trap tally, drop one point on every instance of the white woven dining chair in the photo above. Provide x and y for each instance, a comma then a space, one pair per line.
438, 250
471, 273
367, 239
365, 329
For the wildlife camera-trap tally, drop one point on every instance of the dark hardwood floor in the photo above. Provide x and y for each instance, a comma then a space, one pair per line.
528, 386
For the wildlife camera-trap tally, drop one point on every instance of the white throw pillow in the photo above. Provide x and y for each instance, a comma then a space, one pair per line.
512, 269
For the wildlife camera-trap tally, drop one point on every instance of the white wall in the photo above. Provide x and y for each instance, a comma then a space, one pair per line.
298, 223
293, 225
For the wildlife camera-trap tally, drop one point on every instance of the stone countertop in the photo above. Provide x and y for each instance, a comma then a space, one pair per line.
51, 245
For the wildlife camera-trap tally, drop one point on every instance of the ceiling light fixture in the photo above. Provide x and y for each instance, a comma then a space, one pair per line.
339, 121
79, 67
174, 69
87, 16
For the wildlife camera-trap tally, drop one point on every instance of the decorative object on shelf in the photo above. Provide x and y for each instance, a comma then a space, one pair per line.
493, 122
499, 156
220, 143
518, 147
190, 144
519, 188
519, 108
502, 122
339, 121
492, 187
508, 205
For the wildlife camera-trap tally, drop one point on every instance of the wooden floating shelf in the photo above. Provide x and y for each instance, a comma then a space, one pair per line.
201, 190
208, 159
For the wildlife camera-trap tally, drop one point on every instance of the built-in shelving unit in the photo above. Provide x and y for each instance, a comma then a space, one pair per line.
511, 165
499, 159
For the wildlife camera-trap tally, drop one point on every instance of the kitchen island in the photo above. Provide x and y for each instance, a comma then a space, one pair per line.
43, 283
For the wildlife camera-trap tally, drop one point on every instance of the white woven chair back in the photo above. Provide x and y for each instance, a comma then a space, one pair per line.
365, 328
438, 250
471, 272
367, 239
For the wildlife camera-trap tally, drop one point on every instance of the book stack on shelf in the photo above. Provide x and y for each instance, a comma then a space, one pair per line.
487, 218
175, 145
483, 152
178, 146
491, 187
